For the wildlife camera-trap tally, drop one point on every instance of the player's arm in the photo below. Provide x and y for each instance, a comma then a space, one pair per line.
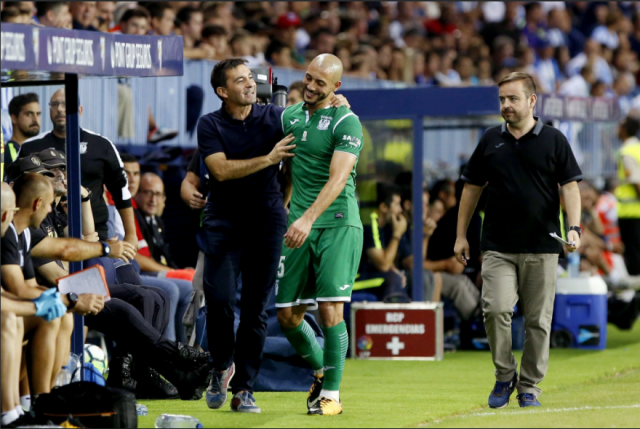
13, 279
88, 303
571, 194
341, 167
228, 169
72, 249
16, 305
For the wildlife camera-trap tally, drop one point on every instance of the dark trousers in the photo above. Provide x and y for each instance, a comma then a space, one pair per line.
630, 234
254, 254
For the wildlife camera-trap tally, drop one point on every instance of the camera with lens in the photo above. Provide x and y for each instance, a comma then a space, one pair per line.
268, 91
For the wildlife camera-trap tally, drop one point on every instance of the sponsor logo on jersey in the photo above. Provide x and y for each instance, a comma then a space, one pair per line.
304, 136
352, 141
324, 123
339, 215
294, 121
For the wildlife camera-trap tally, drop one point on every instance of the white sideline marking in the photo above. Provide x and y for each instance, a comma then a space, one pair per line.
535, 411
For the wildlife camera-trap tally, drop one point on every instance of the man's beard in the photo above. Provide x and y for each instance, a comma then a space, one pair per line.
321, 97
516, 117
61, 128
29, 131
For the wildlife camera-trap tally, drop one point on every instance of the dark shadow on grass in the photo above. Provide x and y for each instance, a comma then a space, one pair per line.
618, 338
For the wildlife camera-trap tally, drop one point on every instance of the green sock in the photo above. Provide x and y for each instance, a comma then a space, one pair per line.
304, 341
336, 341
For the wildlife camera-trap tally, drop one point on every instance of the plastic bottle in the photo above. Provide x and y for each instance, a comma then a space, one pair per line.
574, 265
74, 367
63, 378
141, 410
177, 421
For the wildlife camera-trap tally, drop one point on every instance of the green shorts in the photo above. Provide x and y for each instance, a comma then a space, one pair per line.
324, 268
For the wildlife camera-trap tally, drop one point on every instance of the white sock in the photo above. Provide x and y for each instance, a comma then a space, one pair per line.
9, 417
19, 410
25, 401
319, 373
331, 394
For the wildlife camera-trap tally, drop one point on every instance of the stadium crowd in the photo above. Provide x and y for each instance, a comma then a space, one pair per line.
578, 49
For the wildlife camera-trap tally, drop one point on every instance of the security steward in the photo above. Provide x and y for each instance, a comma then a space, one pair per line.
521, 163
100, 165
244, 224
628, 193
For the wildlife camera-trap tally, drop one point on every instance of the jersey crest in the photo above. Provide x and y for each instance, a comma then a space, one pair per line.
324, 123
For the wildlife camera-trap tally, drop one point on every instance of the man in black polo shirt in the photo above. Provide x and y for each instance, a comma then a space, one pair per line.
100, 165
24, 110
242, 145
521, 163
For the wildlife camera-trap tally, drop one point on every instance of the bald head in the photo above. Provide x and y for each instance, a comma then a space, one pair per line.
151, 194
321, 80
330, 65
34, 197
8, 204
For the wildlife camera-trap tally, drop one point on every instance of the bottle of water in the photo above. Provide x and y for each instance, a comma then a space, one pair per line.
177, 421
74, 367
141, 410
574, 265
63, 378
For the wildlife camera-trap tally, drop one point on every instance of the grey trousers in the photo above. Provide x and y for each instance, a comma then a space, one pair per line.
463, 292
532, 278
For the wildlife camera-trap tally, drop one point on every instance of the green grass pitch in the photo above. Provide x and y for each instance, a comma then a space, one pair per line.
582, 389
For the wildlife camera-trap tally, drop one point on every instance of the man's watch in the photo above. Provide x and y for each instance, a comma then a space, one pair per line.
106, 250
73, 300
576, 229
88, 197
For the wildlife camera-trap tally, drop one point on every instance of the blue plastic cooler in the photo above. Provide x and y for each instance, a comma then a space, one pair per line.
580, 314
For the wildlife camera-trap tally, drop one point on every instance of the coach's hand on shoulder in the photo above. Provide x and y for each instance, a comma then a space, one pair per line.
281, 150
298, 233
121, 250
461, 250
339, 101
573, 237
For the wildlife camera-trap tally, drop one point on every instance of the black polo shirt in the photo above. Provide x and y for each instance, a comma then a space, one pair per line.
258, 193
522, 177
16, 250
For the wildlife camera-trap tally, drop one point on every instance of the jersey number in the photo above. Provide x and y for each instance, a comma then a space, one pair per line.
281, 267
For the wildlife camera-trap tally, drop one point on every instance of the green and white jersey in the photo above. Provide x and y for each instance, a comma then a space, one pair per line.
329, 130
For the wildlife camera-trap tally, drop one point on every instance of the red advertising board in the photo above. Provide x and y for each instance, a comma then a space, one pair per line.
397, 331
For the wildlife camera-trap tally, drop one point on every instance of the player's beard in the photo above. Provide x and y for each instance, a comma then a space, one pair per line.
31, 131
320, 98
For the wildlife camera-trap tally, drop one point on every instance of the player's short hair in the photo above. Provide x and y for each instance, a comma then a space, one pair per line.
526, 78
385, 193
136, 12
128, 158
156, 9
631, 126
184, 14
43, 7
297, 86
19, 101
219, 72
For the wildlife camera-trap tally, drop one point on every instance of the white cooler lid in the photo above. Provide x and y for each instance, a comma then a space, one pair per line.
594, 285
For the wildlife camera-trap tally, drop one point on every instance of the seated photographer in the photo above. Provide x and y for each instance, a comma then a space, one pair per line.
384, 243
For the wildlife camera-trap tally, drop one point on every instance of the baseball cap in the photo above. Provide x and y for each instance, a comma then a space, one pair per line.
28, 164
52, 158
290, 19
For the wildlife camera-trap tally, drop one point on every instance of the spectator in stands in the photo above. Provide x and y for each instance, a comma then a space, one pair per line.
54, 14
607, 34
628, 193
30, 164
322, 42
285, 33
606, 208
216, 37
155, 273
445, 191
135, 21
592, 56
242, 47
278, 54
104, 15
219, 14
534, 30
463, 65
100, 165
24, 110
189, 22
580, 84
84, 14
546, 68
162, 18
12, 15
484, 72
295, 93
561, 32
384, 244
